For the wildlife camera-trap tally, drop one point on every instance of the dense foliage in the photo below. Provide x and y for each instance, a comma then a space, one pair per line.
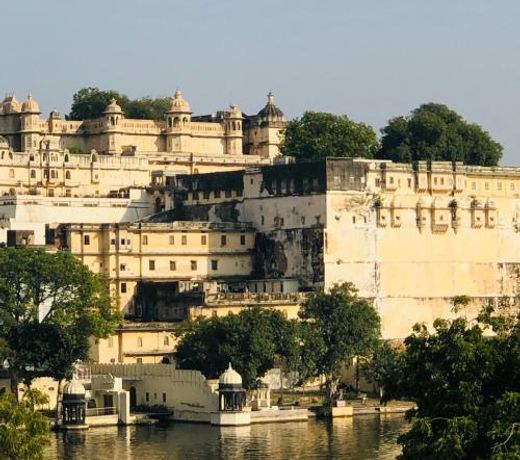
50, 304
319, 135
435, 132
253, 341
24, 432
466, 384
90, 103
335, 327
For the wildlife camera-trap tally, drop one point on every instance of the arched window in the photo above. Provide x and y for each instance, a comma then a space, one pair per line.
176, 121
31, 157
66, 158
238, 125
11, 173
234, 126
33, 174
67, 174
185, 121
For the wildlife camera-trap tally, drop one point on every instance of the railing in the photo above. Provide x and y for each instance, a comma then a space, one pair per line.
96, 411
255, 297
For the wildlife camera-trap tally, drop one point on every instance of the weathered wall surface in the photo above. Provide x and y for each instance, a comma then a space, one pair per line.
412, 259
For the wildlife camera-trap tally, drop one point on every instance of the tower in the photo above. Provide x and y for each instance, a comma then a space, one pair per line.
233, 129
269, 129
113, 127
30, 125
178, 125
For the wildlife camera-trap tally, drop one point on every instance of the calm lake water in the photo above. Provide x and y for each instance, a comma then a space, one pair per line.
359, 438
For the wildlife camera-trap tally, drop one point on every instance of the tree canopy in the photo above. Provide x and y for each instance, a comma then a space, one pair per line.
50, 305
24, 432
336, 327
435, 132
318, 135
466, 384
254, 340
89, 103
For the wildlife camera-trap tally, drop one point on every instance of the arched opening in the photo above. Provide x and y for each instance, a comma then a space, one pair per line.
66, 158
176, 121
33, 174
185, 121
67, 174
170, 122
166, 360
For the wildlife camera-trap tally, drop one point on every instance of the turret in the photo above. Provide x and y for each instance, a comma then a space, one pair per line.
233, 128
113, 115
30, 124
178, 124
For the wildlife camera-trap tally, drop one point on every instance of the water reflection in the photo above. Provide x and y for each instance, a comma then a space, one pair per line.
359, 438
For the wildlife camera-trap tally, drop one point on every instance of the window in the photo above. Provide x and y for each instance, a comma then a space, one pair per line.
205, 194
166, 341
378, 182
262, 220
243, 240
145, 240
164, 397
86, 240
193, 264
203, 240
353, 219
217, 193
122, 267
409, 183
33, 174
68, 192
67, 175
151, 264
184, 240
147, 394
123, 288
228, 193
172, 239
442, 180
173, 265
435, 180
239, 192
303, 220
391, 180
11, 173
195, 195
140, 342
223, 240
214, 264
113, 241
54, 174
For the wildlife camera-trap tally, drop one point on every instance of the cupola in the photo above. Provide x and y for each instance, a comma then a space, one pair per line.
30, 105
270, 112
179, 104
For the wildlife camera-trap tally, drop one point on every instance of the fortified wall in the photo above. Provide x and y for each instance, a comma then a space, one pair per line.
410, 237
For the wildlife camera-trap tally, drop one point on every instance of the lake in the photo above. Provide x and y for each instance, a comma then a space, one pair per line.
359, 438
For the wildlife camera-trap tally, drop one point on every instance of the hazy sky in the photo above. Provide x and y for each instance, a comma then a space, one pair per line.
369, 59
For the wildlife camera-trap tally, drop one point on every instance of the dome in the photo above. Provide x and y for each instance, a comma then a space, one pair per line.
270, 112
10, 104
74, 387
230, 377
30, 105
179, 104
113, 107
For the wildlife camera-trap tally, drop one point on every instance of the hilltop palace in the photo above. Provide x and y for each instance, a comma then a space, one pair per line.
201, 215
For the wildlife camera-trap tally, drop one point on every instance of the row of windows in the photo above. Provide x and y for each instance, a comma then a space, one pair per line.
184, 240
147, 395
206, 194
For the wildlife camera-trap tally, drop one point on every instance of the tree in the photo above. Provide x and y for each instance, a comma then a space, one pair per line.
24, 432
336, 327
382, 367
318, 135
466, 386
253, 341
90, 103
435, 132
50, 304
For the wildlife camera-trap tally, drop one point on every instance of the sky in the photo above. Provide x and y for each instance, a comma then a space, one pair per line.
369, 59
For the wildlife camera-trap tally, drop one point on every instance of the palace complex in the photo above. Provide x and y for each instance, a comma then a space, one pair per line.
199, 215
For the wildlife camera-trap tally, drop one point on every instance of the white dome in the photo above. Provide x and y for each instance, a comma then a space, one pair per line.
113, 107
30, 105
230, 377
74, 387
179, 104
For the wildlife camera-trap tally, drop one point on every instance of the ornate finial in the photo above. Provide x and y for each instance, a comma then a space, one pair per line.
113, 100
270, 97
178, 94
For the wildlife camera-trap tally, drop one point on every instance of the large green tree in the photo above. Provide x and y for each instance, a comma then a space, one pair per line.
466, 384
24, 432
319, 135
254, 341
435, 132
89, 103
50, 304
336, 326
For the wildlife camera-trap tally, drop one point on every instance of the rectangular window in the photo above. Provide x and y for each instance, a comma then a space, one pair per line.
123, 288
122, 267
113, 241
86, 240
243, 240
195, 195
228, 193
164, 397
239, 192
203, 240
223, 240
409, 183
145, 240
173, 265
151, 264
147, 396
193, 264
172, 239
217, 193
214, 264
262, 220
205, 194
184, 240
